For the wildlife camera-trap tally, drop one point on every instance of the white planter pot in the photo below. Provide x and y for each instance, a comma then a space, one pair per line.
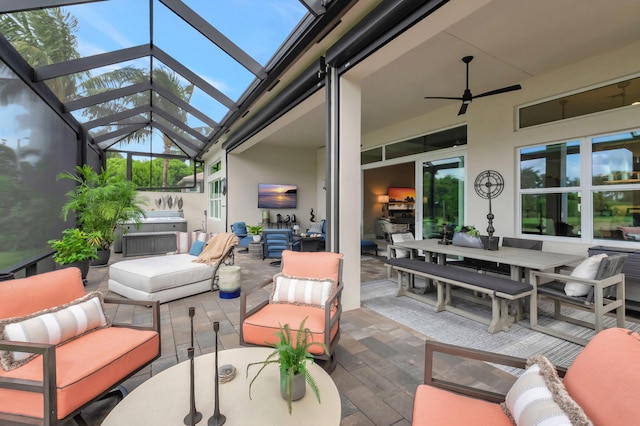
257, 238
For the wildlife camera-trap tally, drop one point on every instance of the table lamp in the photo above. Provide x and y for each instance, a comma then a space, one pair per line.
384, 200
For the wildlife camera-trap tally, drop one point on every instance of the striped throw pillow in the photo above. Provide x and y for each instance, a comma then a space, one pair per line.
185, 240
301, 291
52, 326
538, 397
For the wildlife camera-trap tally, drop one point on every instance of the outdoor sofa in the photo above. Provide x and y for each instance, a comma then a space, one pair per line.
601, 386
47, 377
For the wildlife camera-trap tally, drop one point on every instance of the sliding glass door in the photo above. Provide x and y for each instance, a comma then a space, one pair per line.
442, 195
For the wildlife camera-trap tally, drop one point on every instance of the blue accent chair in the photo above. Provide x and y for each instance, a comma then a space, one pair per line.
240, 229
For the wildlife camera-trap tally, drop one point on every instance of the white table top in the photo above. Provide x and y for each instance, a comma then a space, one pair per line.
524, 258
164, 398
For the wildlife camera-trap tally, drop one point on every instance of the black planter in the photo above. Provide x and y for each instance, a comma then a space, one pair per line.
103, 258
83, 266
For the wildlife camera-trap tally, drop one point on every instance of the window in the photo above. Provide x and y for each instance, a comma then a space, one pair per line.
449, 138
215, 199
215, 167
216, 182
618, 94
615, 174
600, 173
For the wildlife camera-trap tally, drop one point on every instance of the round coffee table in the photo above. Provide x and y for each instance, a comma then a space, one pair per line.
164, 398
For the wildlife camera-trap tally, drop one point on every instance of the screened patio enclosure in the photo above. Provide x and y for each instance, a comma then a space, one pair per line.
143, 86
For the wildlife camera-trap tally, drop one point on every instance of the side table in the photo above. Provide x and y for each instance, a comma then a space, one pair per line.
255, 250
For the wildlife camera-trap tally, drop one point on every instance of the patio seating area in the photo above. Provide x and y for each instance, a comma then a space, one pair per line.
380, 362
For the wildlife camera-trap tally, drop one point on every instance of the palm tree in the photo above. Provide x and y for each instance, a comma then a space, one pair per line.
165, 78
33, 34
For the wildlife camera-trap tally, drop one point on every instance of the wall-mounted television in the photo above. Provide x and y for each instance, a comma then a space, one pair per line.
277, 196
401, 195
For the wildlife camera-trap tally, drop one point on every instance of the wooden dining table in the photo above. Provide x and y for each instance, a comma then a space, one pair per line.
518, 259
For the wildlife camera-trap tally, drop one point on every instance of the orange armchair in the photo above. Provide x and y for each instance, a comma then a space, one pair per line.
84, 358
308, 286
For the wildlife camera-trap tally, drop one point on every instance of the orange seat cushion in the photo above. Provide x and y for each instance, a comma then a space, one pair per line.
434, 406
603, 379
261, 327
86, 367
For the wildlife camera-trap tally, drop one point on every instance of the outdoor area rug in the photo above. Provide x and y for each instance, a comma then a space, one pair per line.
447, 327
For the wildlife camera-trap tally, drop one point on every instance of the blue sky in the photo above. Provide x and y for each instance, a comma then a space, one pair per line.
257, 27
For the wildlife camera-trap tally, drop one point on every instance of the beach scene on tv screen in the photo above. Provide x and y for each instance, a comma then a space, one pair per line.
277, 196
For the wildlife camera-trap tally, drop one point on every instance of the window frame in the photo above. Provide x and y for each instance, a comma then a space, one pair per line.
586, 191
216, 178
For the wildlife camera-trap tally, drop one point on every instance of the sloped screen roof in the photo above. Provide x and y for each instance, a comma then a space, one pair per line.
134, 70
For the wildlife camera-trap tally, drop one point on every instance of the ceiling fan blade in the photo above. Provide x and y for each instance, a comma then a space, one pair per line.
442, 97
463, 108
498, 91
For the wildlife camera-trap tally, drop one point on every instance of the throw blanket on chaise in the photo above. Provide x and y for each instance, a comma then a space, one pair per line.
217, 247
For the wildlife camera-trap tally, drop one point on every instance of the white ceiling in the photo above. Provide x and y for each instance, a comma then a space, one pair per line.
511, 41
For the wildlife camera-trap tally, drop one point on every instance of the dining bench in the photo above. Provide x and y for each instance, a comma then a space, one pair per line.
499, 290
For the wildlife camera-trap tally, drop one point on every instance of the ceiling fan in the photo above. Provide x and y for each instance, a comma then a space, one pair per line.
467, 97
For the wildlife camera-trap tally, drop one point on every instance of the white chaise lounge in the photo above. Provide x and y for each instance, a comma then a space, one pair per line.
170, 277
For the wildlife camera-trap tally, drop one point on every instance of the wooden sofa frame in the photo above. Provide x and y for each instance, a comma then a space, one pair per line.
47, 387
608, 282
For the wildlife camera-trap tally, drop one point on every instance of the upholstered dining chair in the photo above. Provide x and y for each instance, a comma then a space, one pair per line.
505, 269
308, 286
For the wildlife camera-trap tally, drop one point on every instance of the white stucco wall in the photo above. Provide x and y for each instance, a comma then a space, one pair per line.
272, 164
493, 140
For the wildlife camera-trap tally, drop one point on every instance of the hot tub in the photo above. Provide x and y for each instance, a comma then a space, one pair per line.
156, 221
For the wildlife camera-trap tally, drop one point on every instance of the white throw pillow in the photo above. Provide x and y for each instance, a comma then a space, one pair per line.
588, 270
301, 290
53, 326
315, 228
538, 397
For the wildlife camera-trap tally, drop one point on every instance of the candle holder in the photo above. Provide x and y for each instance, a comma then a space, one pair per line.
444, 240
194, 416
217, 419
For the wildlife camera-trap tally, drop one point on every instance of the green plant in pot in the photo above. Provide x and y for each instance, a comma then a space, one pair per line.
100, 202
470, 230
75, 248
291, 354
256, 231
467, 236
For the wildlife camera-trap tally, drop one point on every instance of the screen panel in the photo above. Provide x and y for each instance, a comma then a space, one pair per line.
35, 146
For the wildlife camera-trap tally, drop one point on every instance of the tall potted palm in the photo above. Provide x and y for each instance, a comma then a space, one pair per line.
100, 202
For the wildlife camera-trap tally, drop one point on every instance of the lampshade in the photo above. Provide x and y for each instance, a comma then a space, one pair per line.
383, 199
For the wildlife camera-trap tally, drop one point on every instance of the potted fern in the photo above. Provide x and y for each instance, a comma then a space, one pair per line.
292, 356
